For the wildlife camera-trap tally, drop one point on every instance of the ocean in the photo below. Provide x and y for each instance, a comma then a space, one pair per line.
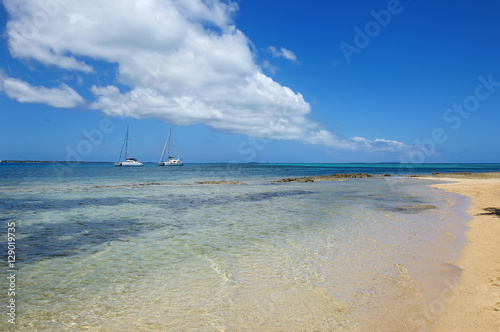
104, 248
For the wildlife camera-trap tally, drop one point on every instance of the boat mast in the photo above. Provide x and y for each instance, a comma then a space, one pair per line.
169, 133
165, 146
126, 145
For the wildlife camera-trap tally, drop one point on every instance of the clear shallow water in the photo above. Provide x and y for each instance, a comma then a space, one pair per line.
105, 248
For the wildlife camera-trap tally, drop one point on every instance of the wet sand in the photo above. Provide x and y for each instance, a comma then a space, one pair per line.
474, 305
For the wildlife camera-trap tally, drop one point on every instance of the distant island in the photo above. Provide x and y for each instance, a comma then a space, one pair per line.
47, 162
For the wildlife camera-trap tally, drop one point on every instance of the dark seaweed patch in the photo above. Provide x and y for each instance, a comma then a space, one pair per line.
72, 238
491, 211
270, 195
411, 208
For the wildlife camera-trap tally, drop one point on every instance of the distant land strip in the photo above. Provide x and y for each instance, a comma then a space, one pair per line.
48, 162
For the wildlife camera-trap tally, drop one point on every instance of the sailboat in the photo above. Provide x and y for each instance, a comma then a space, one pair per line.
129, 161
171, 161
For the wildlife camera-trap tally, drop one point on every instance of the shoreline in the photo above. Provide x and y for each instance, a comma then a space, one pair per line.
474, 304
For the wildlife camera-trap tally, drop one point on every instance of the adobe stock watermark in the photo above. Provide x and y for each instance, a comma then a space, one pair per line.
11, 272
85, 146
363, 36
453, 117
437, 305
30, 28
488, 295
251, 146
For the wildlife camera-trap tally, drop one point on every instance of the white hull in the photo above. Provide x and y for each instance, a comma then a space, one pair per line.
171, 163
128, 164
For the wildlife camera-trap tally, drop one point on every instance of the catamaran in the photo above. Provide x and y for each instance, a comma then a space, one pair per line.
129, 161
171, 161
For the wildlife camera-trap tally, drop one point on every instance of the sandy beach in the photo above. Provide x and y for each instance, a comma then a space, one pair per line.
474, 305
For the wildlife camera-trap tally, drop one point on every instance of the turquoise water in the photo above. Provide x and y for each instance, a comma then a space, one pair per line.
102, 248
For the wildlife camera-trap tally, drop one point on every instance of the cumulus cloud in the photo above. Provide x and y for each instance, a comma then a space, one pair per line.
61, 97
283, 52
183, 62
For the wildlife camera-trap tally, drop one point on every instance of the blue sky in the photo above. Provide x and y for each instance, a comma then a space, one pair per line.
251, 81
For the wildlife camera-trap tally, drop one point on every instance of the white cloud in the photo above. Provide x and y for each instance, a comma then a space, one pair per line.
61, 97
267, 65
324, 137
287, 54
283, 52
181, 61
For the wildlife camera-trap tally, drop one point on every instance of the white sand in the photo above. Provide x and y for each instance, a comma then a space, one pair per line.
474, 304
